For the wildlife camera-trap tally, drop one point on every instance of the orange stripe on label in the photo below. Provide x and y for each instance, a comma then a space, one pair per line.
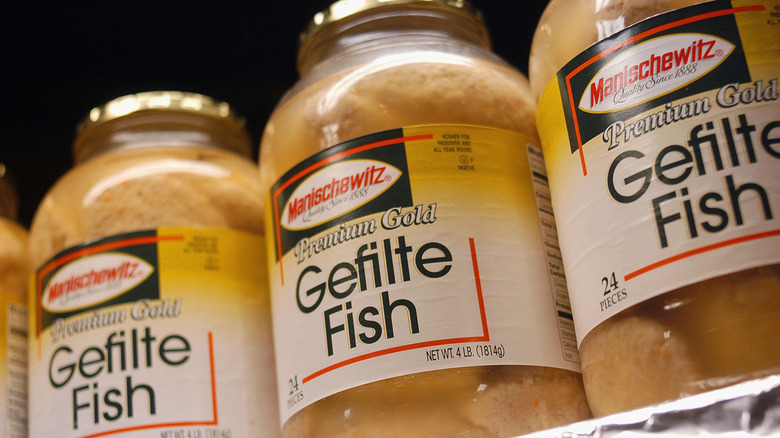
693, 252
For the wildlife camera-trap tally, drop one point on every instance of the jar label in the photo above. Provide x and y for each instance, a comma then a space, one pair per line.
410, 250
13, 386
663, 150
153, 334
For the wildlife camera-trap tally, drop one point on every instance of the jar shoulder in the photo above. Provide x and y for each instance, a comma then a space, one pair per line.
132, 190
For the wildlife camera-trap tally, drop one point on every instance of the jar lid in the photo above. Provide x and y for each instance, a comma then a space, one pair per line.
159, 100
351, 8
176, 105
9, 200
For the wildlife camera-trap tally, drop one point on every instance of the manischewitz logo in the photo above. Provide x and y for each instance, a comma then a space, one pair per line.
653, 69
663, 60
91, 280
335, 190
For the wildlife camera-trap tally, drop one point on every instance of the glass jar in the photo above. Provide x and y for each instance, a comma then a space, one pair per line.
14, 275
151, 310
409, 277
659, 122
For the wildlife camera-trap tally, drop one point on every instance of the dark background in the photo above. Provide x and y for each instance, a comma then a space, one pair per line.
62, 59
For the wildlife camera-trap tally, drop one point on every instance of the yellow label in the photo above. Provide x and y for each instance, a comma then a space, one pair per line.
153, 334
663, 150
423, 248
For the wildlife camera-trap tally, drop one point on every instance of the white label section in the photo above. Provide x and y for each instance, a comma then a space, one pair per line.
152, 379
692, 200
124, 378
458, 279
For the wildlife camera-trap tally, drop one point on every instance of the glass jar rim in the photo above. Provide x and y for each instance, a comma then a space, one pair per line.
183, 108
348, 9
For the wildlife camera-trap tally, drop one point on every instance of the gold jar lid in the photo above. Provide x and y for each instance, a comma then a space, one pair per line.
353, 9
159, 100
165, 107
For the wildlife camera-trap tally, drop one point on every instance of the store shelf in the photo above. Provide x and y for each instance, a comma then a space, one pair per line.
747, 409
